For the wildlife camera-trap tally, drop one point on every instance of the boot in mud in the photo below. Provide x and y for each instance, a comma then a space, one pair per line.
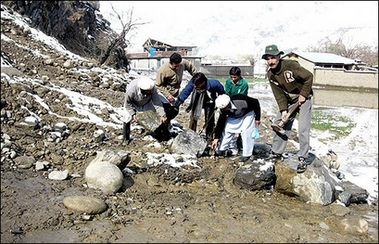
126, 132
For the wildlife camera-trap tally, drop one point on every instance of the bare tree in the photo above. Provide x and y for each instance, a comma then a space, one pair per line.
120, 42
344, 47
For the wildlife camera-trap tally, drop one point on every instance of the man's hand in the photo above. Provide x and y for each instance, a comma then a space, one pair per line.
214, 144
301, 99
134, 118
171, 98
163, 119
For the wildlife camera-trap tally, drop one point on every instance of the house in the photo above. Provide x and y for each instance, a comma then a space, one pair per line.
324, 60
158, 48
155, 53
333, 70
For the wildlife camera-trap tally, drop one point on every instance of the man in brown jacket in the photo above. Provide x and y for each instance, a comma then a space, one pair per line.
168, 81
170, 75
291, 84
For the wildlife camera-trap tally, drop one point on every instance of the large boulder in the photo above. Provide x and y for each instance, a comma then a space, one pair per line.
318, 184
188, 142
255, 176
104, 176
315, 185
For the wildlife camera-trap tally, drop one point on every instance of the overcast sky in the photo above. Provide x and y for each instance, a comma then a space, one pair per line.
236, 27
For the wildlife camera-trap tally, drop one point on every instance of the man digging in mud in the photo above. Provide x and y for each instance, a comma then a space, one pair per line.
291, 84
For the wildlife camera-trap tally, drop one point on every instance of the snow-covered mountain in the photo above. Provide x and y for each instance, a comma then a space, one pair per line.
234, 28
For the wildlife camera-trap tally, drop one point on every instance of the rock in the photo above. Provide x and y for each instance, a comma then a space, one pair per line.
358, 194
41, 165
344, 197
355, 225
318, 184
315, 185
339, 210
104, 176
119, 158
58, 175
99, 135
188, 142
60, 127
349, 225
29, 122
25, 162
255, 176
149, 120
261, 150
85, 204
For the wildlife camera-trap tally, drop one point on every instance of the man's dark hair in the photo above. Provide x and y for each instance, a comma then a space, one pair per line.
198, 78
175, 58
235, 71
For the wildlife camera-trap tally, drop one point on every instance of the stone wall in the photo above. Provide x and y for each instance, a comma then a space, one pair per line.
223, 70
345, 78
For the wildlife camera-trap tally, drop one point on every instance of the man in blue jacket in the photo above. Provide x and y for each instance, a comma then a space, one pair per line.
204, 93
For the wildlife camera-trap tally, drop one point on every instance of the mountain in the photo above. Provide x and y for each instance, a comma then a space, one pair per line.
235, 28
78, 26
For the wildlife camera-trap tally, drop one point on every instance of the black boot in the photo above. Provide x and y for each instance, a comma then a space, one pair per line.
126, 132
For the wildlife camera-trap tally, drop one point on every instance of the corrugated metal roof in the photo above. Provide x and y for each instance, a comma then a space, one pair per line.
323, 58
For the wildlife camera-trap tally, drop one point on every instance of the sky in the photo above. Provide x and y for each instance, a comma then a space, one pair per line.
232, 28
357, 152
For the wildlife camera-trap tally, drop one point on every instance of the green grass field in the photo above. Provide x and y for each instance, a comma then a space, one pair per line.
339, 126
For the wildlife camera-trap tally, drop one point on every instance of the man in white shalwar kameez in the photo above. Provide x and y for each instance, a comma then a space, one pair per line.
240, 114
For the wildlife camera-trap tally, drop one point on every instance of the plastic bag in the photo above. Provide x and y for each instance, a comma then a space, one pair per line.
255, 134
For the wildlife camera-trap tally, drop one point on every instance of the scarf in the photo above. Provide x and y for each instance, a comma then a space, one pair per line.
197, 101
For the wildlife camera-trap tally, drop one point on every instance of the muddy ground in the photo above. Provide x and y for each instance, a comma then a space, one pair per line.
154, 206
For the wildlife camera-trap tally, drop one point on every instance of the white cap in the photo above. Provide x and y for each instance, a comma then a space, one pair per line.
222, 101
146, 83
